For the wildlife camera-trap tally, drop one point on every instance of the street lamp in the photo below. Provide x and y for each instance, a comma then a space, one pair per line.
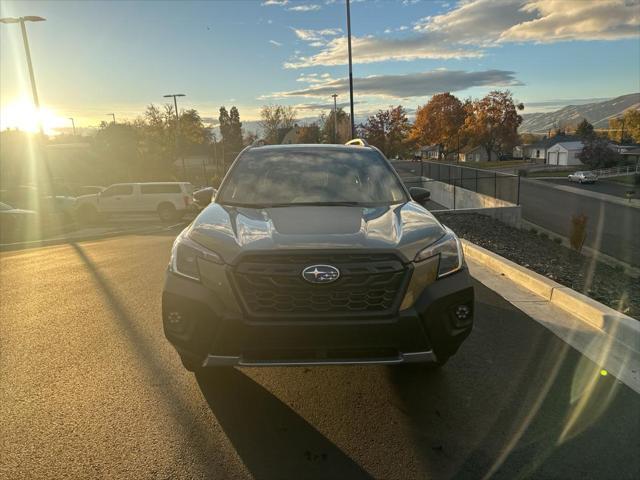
113, 115
175, 104
73, 125
25, 41
335, 118
353, 129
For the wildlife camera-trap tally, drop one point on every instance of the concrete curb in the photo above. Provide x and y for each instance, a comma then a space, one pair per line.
622, 327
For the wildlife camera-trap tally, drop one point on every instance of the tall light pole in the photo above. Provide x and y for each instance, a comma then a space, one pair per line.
73, 125
25, 41
335, 118
178, 150
353, 129
113, 115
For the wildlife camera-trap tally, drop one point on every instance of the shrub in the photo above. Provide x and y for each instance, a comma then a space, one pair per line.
558, 240
578, 231
544, 235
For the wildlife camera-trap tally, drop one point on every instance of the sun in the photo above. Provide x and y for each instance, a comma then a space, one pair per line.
22, 114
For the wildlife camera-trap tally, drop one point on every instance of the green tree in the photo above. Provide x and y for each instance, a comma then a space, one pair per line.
597, 154
584, 129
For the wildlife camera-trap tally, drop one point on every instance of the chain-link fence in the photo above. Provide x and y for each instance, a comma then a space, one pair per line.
503, 186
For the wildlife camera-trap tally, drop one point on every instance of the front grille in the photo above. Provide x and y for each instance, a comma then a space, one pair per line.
271, 285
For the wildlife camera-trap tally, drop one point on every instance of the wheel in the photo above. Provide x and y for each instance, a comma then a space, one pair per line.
88, 214
167, 212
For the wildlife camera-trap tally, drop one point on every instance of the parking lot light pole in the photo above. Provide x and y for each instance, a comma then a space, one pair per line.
353, 129
73, 125
335, 118
113, 115
178, 150
27, 51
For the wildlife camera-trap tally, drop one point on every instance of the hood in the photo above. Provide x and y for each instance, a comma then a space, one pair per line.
405, 229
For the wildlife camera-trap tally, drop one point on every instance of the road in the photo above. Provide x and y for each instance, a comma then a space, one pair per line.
89, 388
612, 228
601, 186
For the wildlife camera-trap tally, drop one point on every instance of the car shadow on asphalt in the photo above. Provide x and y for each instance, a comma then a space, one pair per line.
271, 438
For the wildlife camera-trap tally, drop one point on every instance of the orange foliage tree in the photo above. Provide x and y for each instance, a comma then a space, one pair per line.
439, 122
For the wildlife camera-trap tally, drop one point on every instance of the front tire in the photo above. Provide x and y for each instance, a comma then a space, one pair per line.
191, 364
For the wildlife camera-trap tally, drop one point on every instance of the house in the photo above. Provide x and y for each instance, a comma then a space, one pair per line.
476, 154
564, 153
292, 136
632, 155
539, 149
430, 152
522, 151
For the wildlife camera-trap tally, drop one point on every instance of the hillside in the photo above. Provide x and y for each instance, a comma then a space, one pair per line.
597, 114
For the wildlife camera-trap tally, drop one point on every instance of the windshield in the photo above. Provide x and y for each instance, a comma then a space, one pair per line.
302, 177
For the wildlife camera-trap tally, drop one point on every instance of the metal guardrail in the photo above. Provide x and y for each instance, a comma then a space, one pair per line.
616, 171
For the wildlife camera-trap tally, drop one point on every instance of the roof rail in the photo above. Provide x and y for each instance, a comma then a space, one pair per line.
360, 142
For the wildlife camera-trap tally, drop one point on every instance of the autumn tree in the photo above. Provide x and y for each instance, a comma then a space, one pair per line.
388, 130
309, 133
626, 128
584, 129
276, 121
492, 122
439, 122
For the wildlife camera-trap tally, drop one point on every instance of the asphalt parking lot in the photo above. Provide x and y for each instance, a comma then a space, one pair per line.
89, 388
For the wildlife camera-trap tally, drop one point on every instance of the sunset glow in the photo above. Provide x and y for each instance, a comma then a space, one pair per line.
23, 115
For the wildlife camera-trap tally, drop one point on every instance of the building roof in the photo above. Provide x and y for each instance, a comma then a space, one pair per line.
570, 145
551, 141
471, 149
430, 148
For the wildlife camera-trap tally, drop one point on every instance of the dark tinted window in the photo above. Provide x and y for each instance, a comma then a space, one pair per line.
160, 188
118, 190
263, 177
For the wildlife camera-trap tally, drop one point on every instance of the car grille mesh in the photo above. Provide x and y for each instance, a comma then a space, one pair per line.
272, 285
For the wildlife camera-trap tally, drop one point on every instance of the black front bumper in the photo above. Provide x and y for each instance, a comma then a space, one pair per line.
202, 326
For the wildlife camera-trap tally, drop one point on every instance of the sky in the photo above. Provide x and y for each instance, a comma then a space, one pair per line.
93, 58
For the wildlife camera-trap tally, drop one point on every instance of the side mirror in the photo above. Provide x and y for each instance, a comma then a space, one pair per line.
419, 194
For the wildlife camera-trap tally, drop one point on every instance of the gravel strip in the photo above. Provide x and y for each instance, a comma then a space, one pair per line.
605, 284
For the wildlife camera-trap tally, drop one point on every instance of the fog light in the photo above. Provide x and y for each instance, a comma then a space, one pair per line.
175, 321
463, 312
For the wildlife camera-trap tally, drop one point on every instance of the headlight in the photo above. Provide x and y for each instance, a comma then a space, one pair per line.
185, 254
449, 249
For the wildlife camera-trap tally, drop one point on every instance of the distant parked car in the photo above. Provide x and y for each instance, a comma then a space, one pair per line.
204, 196
15, 221
170, 200
89, 190
583, 177
53, 209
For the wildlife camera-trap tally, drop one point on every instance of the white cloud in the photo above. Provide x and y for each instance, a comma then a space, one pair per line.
273, 42
309, 35
404, 86
472, 26
305, 8
268, 3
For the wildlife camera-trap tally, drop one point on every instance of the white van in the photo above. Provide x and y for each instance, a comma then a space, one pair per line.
170, 200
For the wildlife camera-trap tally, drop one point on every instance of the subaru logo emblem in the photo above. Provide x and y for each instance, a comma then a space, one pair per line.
321, 274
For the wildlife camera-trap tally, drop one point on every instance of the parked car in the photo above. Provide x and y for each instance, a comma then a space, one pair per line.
169, 200
89, 190
204, 196
312, 255
53, 210
15, 222
583, 177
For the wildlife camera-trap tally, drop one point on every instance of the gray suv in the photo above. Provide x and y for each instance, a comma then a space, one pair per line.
315, 255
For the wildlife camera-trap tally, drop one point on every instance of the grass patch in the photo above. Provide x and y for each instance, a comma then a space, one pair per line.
556, 173
626, 180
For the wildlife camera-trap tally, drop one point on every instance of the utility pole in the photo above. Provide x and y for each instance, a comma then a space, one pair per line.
353, 129
73, 125
178, 149
335, 118
113, 115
